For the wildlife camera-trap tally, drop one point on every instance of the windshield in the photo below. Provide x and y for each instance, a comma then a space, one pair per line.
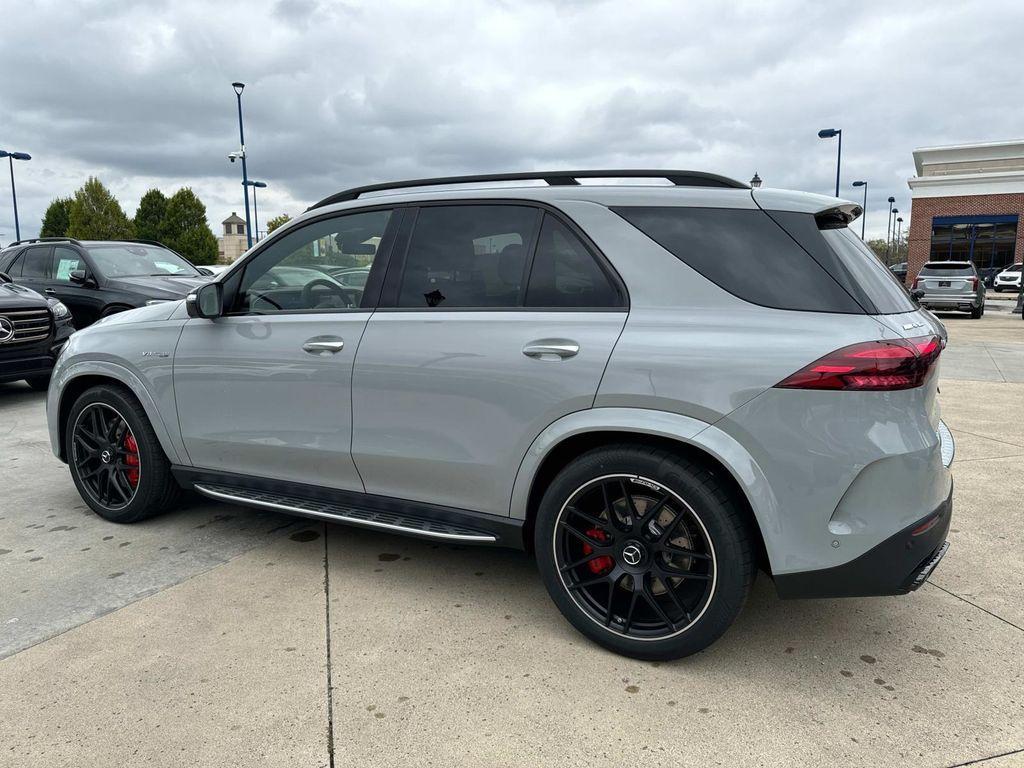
135, 260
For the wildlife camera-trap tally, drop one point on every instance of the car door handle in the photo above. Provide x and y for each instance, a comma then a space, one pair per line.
324, 347
50, 291
549, 349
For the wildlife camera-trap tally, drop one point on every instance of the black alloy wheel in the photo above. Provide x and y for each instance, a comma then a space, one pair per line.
106, 456
635, 557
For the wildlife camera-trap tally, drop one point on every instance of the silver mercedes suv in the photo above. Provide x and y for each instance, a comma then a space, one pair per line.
656, 381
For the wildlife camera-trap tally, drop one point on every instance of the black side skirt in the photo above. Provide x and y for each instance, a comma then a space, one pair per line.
412, 518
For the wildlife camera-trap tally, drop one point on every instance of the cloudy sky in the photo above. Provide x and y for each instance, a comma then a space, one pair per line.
346, 93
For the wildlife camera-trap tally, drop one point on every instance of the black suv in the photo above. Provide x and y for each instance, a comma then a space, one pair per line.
32, 331
97, 278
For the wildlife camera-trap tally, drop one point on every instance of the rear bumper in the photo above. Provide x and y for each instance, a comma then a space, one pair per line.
952, 302
898, 565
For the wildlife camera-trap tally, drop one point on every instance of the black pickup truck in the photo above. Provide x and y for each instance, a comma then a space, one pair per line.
32, 331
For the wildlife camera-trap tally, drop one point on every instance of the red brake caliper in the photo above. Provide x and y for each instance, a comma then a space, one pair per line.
599, 566
132, 460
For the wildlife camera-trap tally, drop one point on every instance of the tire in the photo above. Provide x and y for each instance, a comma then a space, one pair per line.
977, 313
611, 594
998, 289
154, 489
39, 383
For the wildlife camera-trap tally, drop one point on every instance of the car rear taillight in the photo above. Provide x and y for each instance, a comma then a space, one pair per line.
974, 283
871, 366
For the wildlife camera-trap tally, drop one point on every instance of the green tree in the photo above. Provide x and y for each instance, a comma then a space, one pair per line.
185, 229
878, 246
149, 217
278, 221
55, 220
95, 214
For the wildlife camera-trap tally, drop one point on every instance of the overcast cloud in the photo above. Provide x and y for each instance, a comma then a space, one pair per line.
343, 94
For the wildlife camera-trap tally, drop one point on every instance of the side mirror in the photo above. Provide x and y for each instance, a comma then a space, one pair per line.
78, 276
917, 294
206, 301
5, 278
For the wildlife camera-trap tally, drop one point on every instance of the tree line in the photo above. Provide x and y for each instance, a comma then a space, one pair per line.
93, 213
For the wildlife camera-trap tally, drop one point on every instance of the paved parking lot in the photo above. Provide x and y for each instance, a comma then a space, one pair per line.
223, 636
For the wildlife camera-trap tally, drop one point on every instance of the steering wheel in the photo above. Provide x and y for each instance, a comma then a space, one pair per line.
347, 296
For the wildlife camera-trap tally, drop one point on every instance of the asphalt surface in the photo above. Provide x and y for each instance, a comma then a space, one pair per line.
219, 635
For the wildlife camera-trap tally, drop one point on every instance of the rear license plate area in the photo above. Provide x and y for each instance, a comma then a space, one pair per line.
943, 283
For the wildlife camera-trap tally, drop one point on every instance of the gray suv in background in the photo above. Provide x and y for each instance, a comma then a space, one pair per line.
656, 387
950, 286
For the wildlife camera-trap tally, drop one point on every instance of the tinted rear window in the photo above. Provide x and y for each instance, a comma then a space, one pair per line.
746, 253
947, 270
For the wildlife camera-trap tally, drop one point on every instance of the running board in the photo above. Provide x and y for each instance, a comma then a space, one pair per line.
341, 513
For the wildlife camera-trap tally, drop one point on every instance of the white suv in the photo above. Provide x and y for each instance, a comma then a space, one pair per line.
1008, 279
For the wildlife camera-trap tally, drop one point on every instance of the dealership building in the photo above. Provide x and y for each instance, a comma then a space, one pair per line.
966, 204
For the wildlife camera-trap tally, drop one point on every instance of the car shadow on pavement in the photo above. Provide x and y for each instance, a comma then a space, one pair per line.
495, 583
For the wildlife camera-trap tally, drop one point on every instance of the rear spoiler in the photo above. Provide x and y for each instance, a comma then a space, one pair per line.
838, 216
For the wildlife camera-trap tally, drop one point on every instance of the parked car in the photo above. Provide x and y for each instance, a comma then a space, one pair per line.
950, 286
100, 278
654, 389
900, 270
33, 329
1008, 279
354, 277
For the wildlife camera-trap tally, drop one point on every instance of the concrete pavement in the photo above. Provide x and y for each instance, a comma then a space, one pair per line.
440, 655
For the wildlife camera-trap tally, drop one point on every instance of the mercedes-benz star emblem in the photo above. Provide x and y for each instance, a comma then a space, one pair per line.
632, 554
6, 329
106, 456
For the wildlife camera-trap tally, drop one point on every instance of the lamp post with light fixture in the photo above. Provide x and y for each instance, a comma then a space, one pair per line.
899, 236
255, 211
239, 87
864, 211
755, 182
888, 227
829, 133
11, 157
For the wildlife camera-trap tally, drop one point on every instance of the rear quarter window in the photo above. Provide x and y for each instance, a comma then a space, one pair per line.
746, 253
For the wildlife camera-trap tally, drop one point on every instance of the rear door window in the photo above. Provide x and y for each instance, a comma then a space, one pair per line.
565, 273
746, 253
36, 262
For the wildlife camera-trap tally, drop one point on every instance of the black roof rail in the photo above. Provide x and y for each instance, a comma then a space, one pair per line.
553, 178
44, 240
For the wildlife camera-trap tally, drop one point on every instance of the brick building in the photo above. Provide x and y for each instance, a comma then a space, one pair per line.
966, 201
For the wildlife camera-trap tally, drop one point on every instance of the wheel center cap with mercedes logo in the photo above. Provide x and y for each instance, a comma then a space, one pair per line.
6, 329
106, 457
632, 554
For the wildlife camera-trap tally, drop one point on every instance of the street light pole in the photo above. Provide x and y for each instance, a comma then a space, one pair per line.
11, 157
829, 133
255, 211
864, 208
899, 235
239, 87
892, 236
888, 226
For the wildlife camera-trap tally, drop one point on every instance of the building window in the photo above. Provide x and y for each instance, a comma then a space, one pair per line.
988, 241
241, 229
